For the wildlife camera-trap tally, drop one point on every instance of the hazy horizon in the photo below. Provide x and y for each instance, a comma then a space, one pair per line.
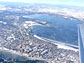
62, 2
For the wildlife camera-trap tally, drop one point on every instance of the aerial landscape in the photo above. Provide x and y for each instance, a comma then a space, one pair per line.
39, 32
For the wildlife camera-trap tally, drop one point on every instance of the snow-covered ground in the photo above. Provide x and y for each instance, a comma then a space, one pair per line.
7, 50
66, 47
65, 12
78, 14
29, 24
39, 37
16, 53
59, 44
3, 22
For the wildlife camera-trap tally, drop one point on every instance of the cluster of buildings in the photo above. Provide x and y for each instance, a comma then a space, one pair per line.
19, 38
22, 41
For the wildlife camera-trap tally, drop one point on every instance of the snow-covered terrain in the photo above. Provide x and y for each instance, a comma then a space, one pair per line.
78, 14
59, 45
30, 23
3, 22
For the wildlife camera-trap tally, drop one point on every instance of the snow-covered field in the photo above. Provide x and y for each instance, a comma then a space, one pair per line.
78, 14
29, 24
65, 12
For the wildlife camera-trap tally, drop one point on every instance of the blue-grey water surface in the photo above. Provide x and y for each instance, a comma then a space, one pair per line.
64, 30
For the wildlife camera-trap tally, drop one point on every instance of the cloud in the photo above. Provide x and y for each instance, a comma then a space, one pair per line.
64, 2
13, 0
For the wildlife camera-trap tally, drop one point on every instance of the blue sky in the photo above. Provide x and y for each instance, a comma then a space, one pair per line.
64, 2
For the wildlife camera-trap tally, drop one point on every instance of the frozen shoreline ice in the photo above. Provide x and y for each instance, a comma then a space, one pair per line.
59, 44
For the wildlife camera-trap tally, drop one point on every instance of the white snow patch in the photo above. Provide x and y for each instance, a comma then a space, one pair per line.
11, 37
59, 45
29, 24
67, 47
3, 22
39, 37
65, 12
